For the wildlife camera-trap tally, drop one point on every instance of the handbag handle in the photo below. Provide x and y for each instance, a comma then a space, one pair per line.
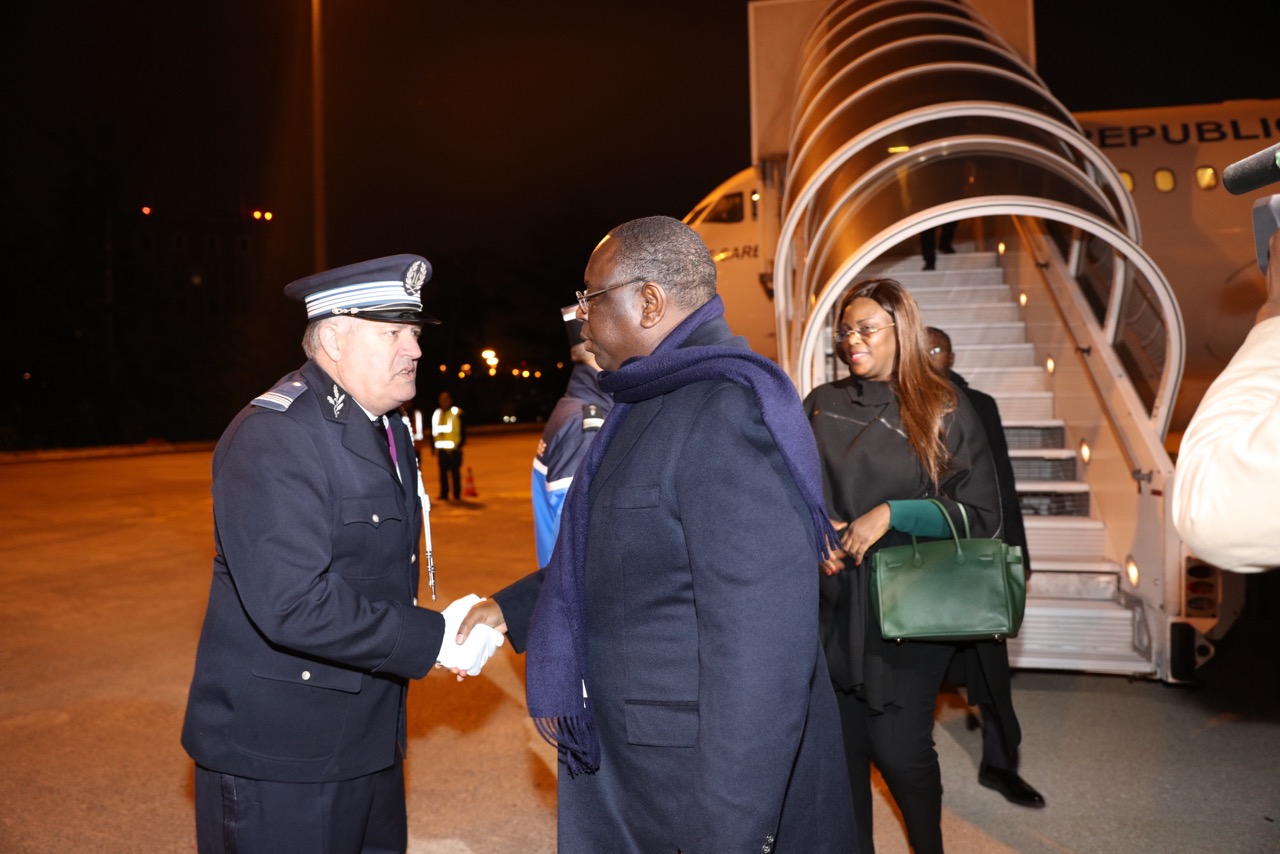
955, 536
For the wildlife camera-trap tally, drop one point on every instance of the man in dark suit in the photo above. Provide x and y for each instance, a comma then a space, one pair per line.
295, 717
999, 768
673, 652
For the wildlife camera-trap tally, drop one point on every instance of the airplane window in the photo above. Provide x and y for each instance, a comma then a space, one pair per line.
1206, 177
1165, 181
727, 209
691, 218
1127, 177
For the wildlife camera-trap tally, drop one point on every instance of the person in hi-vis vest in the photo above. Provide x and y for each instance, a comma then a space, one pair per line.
446, 443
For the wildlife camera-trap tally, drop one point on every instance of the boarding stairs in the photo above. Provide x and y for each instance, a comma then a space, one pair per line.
1076, 617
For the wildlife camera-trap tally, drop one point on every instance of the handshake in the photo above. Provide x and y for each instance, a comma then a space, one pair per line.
470, 656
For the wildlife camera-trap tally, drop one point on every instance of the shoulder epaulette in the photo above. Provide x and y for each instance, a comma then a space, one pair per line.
282, 396
592, 418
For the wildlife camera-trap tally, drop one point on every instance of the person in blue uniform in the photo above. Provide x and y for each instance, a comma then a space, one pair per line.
574, 422
673, 651
999, 767
296, 712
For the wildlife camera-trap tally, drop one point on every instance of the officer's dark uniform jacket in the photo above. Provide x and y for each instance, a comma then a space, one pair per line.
311, 632
574, 422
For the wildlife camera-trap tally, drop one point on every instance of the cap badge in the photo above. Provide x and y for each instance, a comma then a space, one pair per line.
415, 278
336, 400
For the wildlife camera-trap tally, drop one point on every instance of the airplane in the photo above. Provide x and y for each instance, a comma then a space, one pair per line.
1083, 243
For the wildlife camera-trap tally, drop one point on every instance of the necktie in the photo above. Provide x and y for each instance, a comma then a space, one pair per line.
383, 425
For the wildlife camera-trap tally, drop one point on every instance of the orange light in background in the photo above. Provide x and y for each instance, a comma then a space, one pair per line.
257, 214
146, 210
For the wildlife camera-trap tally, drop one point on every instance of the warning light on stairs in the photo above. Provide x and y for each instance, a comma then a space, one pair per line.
1131, 570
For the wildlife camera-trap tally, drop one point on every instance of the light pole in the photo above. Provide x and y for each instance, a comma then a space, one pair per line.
319, 237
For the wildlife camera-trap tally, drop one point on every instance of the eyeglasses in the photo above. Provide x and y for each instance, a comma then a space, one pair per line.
863, 332
938, 351
585, 297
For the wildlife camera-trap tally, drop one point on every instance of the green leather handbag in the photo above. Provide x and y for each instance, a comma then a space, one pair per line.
949, 590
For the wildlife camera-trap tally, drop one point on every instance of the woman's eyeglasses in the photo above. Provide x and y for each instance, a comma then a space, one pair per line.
863, 332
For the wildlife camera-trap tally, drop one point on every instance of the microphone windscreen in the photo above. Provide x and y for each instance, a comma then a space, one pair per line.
1254, 172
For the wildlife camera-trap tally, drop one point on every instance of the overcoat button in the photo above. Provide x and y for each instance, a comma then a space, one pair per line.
306, 674
375, 518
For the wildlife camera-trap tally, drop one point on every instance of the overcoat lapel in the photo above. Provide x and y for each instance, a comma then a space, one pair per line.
628, 434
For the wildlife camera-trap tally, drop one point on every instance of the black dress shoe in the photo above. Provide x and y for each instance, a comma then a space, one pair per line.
1009, 784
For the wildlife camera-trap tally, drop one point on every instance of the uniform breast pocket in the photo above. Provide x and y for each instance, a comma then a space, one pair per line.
373, 528
294, 709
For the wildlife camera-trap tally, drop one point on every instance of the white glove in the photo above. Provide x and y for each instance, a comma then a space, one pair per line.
480, 645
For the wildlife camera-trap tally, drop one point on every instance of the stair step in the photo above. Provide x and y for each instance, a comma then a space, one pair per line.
1085, 635
1038, 501
1025, 405
1094, 586
1072, 538
998, 381
1044, 454
946, 316
1046, 464
1065, 487
967, 334
960, 260
1034, 434
962, 287
994, 356
1065, 565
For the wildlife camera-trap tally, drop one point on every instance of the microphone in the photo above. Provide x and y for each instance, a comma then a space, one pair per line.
1254, 172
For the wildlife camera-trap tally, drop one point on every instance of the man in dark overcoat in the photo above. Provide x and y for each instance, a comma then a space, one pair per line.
999, 767
296, 712
672, 642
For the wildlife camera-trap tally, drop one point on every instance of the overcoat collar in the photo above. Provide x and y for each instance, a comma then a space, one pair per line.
867, 393
358, 433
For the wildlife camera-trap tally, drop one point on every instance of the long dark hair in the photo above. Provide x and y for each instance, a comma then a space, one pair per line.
924, 397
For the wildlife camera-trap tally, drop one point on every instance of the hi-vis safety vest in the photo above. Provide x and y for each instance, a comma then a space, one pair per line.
446, 428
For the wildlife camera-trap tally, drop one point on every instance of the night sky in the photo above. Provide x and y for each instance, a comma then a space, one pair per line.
499, 139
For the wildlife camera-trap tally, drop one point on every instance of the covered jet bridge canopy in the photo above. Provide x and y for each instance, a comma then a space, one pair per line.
913, 113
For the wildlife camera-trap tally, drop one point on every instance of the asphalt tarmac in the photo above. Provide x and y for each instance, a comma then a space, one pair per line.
104, 573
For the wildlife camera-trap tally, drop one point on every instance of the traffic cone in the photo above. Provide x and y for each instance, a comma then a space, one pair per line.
469, 485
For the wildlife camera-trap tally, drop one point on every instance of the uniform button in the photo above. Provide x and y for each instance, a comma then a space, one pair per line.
296, 383
413, 558
375, 518
415, 601
306, 674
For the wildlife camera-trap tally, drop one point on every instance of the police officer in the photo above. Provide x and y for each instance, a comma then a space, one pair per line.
574, 422
296, 713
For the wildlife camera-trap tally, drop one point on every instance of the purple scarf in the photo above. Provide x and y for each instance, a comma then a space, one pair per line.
557, 684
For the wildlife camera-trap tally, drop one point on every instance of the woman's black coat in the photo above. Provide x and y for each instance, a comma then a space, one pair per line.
866, 460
